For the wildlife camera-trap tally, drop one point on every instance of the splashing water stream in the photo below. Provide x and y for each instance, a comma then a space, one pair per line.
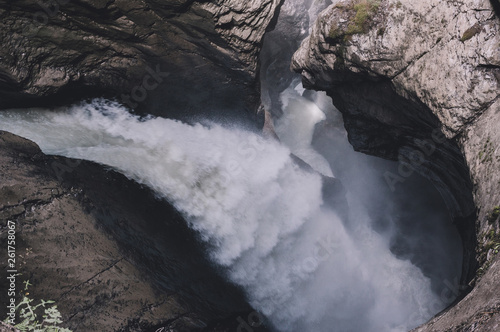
262, 216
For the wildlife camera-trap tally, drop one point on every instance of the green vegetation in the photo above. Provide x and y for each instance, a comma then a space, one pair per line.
482, 270
365, 10
490, 243
336, 33
360, 17
494, 214
486, 153
42, 317
471, 32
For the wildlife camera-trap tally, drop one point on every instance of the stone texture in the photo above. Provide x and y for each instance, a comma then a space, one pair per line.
421, 48
404, 74
111, 255
58, 51
478, 311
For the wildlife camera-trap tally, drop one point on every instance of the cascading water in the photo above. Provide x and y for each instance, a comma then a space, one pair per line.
262, 216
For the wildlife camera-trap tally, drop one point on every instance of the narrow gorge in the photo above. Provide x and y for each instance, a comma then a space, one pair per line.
253, 166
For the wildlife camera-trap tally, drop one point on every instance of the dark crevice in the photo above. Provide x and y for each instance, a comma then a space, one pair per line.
488, 66
496, 7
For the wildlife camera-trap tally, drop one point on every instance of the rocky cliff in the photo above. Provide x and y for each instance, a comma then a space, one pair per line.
418, 82
112, 256
178, 58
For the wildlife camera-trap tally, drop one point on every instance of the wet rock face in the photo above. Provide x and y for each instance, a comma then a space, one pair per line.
401, 70
111, 255
178, 58
418, 82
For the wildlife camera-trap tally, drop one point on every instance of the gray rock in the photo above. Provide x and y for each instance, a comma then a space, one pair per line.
204, 54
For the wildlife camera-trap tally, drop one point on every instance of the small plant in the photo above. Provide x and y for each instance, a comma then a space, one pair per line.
489, 245
335, 33
471, 32
364, 12
487, 152
494, 214
360, 18
30, 315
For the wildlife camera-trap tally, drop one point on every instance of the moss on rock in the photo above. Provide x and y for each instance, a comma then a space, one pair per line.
494, 214
360, 15
471, 32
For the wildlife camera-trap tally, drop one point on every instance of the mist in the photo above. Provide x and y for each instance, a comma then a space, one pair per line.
263, 217
408, 223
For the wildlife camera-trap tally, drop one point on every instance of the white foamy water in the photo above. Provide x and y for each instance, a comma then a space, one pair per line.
262, 215
295, 128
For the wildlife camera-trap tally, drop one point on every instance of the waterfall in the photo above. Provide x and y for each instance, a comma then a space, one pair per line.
261, 215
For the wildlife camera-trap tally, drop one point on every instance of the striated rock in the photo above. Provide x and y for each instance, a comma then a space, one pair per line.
243, 24
279, 45
177, 58
111, 255
443, 55
418, 82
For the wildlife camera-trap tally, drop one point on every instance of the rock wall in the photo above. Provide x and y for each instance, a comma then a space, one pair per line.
111, 255
418, 81
178, 58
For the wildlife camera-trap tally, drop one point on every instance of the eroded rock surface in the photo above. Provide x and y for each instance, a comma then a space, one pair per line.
177, 58
418, 81
444, 54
